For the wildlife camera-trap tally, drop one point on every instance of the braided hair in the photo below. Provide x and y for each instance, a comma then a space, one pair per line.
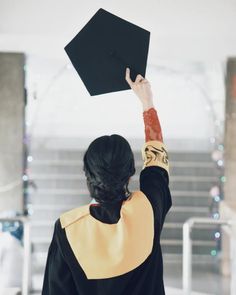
108, 165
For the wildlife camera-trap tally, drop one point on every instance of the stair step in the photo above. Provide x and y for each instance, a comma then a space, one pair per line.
76, 200
66, 207
196, 249
59, 191
177, 178
75, 182
76, 167
167, 225
76, 163
182, 216
76, 192
47, 154
206, 234
168, 246
41, 256
178, 213
72, 155
42, 229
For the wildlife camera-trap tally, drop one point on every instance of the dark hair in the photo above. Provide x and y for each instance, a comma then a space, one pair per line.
108, 165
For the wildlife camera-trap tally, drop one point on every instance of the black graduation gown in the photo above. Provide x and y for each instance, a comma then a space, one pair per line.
64, 275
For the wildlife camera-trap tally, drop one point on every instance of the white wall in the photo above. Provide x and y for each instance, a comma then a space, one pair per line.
181, 29
182, 92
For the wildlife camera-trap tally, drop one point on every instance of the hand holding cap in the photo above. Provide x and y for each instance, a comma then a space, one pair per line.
141, 88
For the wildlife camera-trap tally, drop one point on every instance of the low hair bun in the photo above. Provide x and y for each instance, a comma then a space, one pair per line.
108, 165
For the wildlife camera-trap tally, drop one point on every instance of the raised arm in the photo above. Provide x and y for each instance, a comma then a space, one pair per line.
154, 178
142, 89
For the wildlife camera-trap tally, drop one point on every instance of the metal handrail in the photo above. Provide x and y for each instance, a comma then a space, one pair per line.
187, 247
27, 251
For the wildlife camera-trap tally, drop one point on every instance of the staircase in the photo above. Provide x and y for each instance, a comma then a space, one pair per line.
61, 186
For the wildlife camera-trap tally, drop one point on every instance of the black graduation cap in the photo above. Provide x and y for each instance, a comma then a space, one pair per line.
103, 49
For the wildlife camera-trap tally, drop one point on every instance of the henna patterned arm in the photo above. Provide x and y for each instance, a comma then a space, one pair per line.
152, 125
154, 152
154, 178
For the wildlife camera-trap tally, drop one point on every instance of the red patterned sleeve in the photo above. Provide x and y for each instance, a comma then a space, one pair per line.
152, 125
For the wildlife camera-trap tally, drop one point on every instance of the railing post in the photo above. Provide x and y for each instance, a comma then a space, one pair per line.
187, 258
233, 262
187, 250
26, 265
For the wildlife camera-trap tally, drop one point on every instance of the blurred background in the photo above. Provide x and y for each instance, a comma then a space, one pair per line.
47, 119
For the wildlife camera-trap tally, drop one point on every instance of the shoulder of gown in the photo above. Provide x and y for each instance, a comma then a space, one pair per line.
73, 215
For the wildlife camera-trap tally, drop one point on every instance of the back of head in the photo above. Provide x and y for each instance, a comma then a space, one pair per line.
108, 165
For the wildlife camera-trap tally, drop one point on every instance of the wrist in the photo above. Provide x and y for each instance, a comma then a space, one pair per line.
147, 105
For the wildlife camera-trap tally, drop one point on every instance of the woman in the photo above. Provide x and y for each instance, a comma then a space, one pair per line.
112, 245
